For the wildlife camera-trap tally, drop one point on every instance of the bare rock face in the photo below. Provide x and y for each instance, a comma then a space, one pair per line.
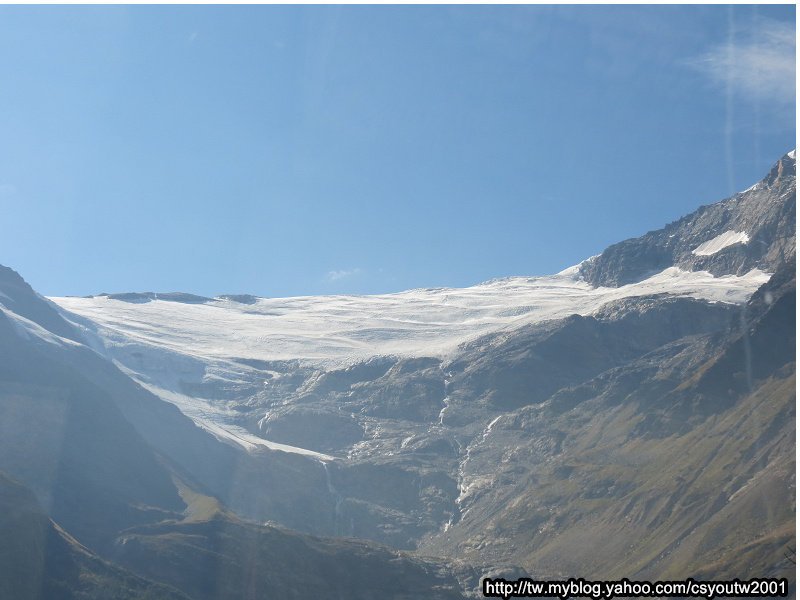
678, 463
527, 368
311, 427
754, 229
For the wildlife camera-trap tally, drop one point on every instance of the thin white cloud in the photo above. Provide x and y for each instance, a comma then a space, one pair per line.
758, 62
340, 274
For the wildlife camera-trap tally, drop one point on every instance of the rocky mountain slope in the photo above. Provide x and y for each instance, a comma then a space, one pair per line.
63, 437
38, 559
753, 229
654, 461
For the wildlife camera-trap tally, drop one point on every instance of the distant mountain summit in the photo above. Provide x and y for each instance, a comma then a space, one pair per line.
754, 229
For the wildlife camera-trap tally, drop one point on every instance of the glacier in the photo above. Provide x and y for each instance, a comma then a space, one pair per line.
163, 343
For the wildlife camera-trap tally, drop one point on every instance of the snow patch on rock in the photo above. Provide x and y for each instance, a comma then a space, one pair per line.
723, 240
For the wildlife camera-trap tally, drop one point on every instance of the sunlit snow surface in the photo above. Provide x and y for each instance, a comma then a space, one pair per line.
341, 329
723, 240
332, 331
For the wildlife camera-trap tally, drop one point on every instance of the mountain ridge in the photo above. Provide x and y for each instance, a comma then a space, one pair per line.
758, 213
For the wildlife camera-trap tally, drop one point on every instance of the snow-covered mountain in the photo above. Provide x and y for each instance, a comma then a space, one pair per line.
172, 342
642, 400
754, 229
227, 350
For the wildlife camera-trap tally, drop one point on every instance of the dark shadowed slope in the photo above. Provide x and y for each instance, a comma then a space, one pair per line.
40, 561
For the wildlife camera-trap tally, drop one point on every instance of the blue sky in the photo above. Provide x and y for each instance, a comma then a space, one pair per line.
281, 150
